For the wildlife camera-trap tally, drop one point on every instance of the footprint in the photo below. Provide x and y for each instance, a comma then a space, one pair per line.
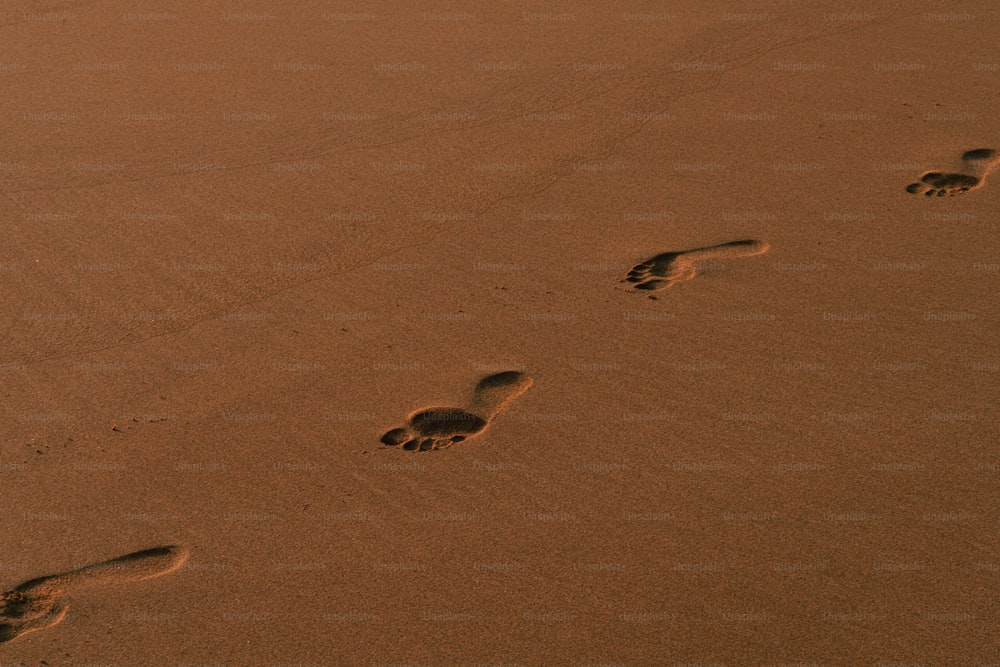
666, 269
976, 165
41, 603
437, 428
22, 612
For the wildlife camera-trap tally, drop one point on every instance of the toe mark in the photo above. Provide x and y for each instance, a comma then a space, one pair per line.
395, 437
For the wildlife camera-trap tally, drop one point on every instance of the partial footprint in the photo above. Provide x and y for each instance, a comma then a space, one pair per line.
437, 428
22, 612
669, 268
976, 165
41, 603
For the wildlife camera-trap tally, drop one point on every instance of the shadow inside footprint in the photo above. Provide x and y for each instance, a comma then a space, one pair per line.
446, 422
977, 164
936, 184
438, 428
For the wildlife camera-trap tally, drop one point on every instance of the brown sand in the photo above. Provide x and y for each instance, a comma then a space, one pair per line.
244, 241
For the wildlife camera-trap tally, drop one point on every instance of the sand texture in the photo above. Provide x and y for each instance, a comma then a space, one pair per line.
461, 334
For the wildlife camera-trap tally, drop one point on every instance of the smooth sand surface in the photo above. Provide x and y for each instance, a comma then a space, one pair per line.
244, 241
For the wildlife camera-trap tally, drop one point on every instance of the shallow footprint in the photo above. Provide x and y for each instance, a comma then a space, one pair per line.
976, 165
670, 268
43, 602
438, 428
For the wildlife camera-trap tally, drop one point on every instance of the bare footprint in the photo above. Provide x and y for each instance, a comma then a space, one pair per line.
22, 612
976, 165
437, 428
670, 268
41, 603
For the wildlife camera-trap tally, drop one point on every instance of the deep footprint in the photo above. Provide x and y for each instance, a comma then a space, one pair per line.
976, 165
438, 428
670, 268
43, 602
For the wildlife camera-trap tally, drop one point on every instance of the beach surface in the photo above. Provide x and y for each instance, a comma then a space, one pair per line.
499, 334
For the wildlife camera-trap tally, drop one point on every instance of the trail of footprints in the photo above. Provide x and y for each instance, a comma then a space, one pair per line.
43, 602
438, 428
431, 429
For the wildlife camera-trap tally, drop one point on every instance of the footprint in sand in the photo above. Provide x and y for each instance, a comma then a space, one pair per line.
41, 603
976, 165
437, 428
669, 268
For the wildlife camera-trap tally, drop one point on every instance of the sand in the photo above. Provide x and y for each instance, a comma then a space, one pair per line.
507, 334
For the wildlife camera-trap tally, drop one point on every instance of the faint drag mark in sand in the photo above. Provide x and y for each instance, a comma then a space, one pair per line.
41, 603
437, 428
976, 165
669, 268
